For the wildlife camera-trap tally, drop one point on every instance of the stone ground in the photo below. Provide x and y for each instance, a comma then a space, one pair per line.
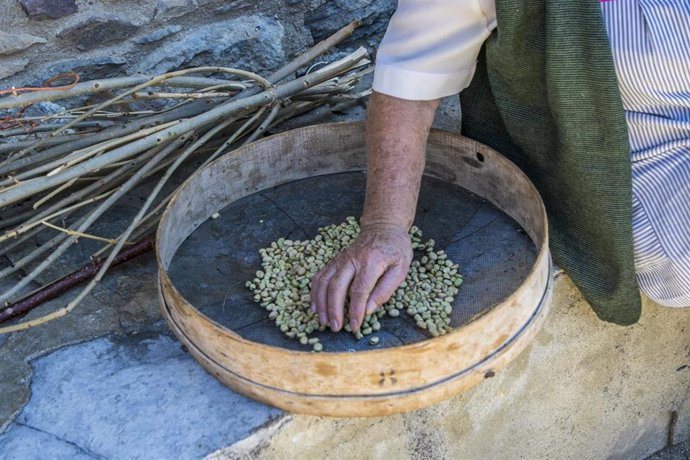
110, 381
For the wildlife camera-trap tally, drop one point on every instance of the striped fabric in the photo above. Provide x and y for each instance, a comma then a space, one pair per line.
650, 41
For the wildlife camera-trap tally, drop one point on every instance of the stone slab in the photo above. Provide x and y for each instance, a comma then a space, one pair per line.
170, 9
136, 397
11, 67
96, 32
248, 42
11, 43
22, 442
48, 9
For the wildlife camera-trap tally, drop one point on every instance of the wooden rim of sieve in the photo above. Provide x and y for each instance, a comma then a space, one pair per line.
362, 383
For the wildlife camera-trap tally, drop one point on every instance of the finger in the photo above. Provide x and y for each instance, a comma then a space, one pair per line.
360, 290
385, 288
319, 293
337, 292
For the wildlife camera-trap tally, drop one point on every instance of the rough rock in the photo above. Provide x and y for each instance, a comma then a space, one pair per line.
232, 6
169, 9
325, 17
159, 34
97, 32
41, 109
296, 39
48, 9
11, 43
88, 68
12, 67
247, 42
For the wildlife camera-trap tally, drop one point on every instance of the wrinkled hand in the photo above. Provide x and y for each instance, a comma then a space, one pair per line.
369, 271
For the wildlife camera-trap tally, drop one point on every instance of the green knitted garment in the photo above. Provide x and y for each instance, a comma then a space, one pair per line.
545, 95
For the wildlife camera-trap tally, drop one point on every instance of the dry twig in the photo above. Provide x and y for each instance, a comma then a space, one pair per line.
83, 160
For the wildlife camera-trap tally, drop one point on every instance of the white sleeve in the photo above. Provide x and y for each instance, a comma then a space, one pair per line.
430, 48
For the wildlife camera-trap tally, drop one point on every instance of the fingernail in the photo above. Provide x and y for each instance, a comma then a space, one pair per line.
353, 324
334, 325
323, 319
313, 307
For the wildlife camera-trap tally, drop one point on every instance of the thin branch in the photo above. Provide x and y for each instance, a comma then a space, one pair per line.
55, 192
160, 95
79, 234
67, 282
32, 186
95, 214
121, 156
96, 86
152, 82
181, 112
101, 187
51, 127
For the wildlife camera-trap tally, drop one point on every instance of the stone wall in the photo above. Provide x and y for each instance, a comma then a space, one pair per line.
103, 38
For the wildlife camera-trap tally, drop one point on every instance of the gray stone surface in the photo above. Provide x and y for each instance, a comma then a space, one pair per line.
11, 67
137, 397
249, 42
147, 37
325, 17
169, 9
11, 43
158, 34
48, 9
232, 6
680, 451
22, 442
98, 32
89, 68
125, 303
43, 108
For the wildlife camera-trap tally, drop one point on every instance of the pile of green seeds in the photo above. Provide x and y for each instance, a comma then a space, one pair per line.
283, 285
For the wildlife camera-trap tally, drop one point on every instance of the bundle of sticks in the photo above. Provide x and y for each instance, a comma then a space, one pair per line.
61, 173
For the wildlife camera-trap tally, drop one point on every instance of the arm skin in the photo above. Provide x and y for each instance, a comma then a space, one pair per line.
372, 268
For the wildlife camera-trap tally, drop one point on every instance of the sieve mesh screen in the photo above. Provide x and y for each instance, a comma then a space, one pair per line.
212, 265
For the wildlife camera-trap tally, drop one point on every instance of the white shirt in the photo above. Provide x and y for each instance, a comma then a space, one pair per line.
430, 48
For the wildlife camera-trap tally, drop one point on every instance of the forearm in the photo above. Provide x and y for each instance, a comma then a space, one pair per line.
396, 135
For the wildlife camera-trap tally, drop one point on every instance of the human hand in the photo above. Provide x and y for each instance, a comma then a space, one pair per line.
370, 270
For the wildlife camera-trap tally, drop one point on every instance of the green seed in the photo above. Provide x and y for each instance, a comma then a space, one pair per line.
282, 286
